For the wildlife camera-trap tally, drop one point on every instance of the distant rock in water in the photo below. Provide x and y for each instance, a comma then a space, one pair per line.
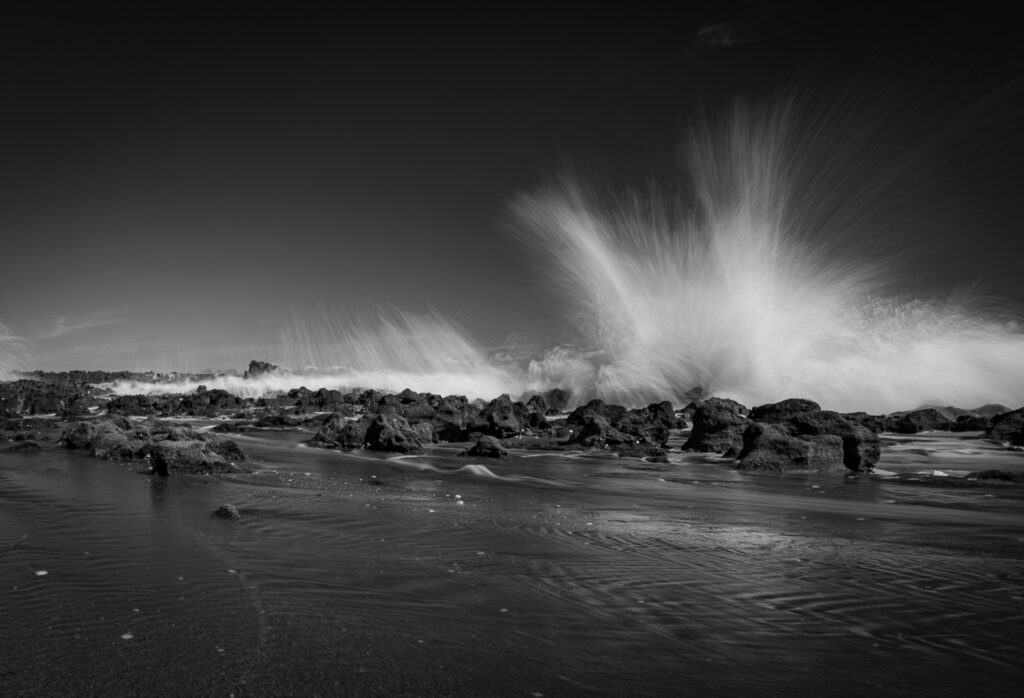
227, 511
260, 368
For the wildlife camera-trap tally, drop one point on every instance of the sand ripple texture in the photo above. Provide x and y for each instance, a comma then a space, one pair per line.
545, 575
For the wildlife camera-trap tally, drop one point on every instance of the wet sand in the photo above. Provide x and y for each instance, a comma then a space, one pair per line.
546, 574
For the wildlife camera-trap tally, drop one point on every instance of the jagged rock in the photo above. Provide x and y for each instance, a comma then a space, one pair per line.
452, 418
499, 418
718, 426
596, 432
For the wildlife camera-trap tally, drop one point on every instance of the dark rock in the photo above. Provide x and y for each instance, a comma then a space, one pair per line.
597, 432
228, 449
227, 511
718, 425
322, 400
972, 422
874, 422
1008, 426
452, 418
424, 431
768, 448
330, 430
132, 404
209, 403
782, 411
187, 457
353, 434
488, 447
80, 435
651, 424
31, 397
499, 418
928, 419
861, 446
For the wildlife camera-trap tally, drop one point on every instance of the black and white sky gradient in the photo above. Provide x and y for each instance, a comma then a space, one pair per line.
176, 188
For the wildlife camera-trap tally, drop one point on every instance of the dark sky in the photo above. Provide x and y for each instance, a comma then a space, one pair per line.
177, 187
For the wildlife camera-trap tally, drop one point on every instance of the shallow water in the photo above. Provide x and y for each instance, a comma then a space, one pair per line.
549, 574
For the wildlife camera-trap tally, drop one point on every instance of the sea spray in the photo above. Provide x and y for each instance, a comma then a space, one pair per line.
392, 350
758, 290
764, 275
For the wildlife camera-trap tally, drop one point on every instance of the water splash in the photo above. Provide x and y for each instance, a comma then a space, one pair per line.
762, 278
742, 295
